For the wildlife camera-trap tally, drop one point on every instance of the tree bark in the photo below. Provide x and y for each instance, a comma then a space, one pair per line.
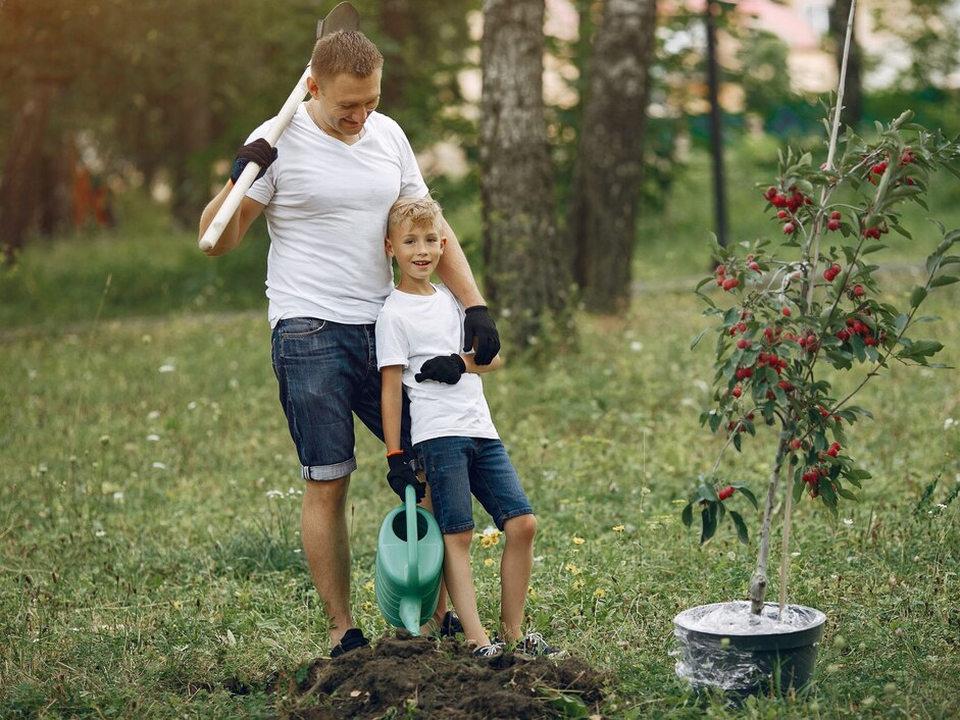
524, 276
606, 187
20, 182
758, 583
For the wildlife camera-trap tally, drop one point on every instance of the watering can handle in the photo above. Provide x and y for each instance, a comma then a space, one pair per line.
413, 569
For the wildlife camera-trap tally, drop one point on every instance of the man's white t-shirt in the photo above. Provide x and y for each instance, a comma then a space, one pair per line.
412, 329
326, 208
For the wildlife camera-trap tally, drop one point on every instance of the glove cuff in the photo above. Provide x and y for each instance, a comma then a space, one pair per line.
476, 309
397, 459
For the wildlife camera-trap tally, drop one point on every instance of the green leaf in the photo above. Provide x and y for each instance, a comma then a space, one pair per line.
847, 494
798, 486
921, 348
860, 411
873, 248
748, 494
708, 519
943, 280
696, 340
742, 534
917, 296
687, 515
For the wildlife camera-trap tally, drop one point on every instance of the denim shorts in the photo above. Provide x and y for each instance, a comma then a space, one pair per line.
458, 466
327, 372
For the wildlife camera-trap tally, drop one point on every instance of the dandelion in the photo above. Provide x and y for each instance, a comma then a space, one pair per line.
578, 540
369, 585
599, 593
488, 562
571, 568
577, 584
619, 528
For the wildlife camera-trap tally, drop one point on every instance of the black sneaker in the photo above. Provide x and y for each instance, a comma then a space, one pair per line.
493, 650
535, 644
450, 627
353, 639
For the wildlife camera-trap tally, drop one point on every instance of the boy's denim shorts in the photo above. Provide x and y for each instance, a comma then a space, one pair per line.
459, 466
327, 372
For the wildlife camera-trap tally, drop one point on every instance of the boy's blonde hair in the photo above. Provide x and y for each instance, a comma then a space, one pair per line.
345, 51
419, 211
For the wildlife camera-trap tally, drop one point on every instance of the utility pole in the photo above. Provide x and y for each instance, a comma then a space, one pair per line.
716, 139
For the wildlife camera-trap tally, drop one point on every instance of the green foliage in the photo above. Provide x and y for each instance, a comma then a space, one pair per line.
785, 324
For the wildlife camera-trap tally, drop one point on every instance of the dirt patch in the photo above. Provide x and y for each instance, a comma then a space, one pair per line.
409, 676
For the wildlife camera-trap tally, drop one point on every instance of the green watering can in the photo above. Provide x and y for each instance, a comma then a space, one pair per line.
409, 563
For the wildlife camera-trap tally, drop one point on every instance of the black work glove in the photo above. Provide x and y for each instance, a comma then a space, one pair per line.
260, 152
402, 474
480, 326
443, 368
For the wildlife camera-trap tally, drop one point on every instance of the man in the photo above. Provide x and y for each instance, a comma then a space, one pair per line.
326, 192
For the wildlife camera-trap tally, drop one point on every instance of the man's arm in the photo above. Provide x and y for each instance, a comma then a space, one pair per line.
454, 270
237, 227
391, 403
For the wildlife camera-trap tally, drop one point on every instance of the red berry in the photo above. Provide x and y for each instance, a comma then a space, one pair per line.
786, 312
788, 228
730, 283
754, 266
737, 390
743, 344
835, 215
858, 291
833, 225
721, 269
726, 492
795, 444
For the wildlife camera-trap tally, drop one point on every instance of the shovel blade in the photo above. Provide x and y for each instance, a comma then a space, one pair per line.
343, 17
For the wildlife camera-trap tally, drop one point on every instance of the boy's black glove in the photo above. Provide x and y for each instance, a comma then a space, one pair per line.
260, 152
443, 368
479, 326
402, 474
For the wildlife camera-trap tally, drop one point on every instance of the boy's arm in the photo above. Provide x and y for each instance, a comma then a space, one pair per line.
391, 403
472, 366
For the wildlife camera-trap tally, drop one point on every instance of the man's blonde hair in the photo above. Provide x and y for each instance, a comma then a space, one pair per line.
419, 211
345, 51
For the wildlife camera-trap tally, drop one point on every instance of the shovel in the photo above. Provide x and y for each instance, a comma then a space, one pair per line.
343, 17
409, 564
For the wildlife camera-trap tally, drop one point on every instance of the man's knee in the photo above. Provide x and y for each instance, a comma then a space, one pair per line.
326, 494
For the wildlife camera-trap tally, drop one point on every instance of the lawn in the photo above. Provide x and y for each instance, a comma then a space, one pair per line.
149, 502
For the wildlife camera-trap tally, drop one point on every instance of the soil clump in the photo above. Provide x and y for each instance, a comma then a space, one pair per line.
406, 676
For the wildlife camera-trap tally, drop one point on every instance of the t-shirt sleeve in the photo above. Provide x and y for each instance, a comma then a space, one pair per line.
411, 180
393, 347
263, 189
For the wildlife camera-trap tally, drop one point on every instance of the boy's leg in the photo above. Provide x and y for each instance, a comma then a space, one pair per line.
326, 544
515, 568
441, 610
495, 484
459, 578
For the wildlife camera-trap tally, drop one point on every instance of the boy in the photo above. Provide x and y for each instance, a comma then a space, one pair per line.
419, 336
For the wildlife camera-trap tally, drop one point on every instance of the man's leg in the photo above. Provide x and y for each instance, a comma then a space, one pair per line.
326, 543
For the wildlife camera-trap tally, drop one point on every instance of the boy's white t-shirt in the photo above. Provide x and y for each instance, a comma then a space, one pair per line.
412, 329
326, 208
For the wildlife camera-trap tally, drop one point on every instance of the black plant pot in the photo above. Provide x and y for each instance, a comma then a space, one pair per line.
748, 660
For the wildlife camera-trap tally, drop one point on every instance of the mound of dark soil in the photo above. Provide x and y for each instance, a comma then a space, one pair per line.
420, 677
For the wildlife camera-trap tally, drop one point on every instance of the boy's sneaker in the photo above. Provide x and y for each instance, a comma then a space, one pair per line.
493, 650
535, 644
353, 639
450, 627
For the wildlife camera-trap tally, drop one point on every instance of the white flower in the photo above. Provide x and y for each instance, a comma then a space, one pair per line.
275, 494
159, 466
118, 496
636, 346
153, 415
949, 423
100, 533
153, 438
848, 521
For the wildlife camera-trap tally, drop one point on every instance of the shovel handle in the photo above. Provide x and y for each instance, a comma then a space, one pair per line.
249, 174
413, 560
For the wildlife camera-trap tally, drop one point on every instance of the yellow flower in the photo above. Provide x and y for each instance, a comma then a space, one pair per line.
531, 591
368, 585
578, 540
599, 593
488, 562
619, 528
573, 569
577, 584
489, 537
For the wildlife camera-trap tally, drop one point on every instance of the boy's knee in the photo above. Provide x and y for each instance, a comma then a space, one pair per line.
459, 540
522, 528
330, 494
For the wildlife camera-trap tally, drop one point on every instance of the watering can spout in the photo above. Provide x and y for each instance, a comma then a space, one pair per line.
410, 614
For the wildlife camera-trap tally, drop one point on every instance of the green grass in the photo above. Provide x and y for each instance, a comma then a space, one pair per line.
149, 509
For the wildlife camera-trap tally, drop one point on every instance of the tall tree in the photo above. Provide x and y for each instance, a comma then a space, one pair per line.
606, 187
523, 270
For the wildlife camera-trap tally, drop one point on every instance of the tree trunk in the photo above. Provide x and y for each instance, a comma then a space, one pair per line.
20, 182
524, 275
852, 90
606, 187
758, 583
